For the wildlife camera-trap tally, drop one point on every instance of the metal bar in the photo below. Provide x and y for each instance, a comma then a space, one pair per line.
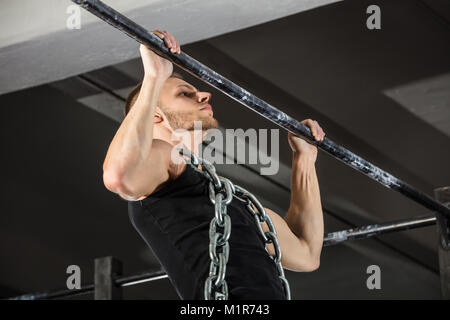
142, 277
257, 105
55, 294
443, 229
377, 229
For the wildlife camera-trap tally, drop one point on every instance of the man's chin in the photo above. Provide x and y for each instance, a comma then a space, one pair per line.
208, 123
212, 123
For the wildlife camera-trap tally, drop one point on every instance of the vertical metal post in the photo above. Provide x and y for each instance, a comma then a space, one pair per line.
443, 225
107, 269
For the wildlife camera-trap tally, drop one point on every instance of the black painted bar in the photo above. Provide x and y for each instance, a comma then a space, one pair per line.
268, 111
55, 294
142, 277
378, 229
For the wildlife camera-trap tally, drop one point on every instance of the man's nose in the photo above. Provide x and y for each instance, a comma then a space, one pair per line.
203, 97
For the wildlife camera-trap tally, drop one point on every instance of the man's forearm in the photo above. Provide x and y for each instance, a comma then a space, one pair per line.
305, 216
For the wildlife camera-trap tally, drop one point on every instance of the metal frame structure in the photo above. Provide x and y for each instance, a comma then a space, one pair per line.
108, 279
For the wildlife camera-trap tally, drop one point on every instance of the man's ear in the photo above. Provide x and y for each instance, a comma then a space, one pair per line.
157, 118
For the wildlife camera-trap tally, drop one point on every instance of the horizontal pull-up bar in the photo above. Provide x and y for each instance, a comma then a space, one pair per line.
142, 277
244, 97
377, 229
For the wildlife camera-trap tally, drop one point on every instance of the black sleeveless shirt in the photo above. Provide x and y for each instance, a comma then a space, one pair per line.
174, 222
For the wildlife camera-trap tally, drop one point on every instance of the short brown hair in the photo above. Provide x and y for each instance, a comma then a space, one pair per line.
134, 94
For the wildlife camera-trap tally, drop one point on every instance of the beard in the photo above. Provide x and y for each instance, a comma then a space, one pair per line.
186, 120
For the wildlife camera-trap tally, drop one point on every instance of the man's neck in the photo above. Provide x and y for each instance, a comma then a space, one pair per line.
191, 140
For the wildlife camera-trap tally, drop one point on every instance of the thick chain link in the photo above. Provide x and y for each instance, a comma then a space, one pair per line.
221, 191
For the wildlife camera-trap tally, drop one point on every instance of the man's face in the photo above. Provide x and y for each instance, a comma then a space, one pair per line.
183, 104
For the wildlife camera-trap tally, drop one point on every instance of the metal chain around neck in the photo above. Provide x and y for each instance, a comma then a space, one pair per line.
221, 191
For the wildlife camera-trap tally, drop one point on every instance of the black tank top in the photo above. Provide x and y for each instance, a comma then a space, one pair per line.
174, 222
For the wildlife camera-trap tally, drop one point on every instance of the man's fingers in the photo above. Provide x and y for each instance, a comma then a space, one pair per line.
173, 42
312, 126
316, 130
321, 132
169, 40
163, 35
175, 45
158, 33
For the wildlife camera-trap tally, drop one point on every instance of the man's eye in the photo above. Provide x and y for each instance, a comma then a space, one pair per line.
184, 93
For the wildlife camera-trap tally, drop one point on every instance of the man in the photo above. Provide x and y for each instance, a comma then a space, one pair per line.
169, 204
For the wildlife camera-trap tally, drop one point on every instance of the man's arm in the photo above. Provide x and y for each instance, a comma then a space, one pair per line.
300, 234
133, 149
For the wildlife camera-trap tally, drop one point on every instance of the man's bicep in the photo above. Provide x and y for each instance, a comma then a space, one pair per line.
153, 172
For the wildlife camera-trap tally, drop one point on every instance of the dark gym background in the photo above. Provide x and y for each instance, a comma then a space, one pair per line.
384, 94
